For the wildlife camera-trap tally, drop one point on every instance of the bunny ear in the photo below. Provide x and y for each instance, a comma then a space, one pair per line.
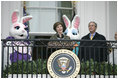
15, 16
25, 19
76, 22
66, 20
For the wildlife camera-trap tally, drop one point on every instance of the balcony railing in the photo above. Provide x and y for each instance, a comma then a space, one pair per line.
97, 58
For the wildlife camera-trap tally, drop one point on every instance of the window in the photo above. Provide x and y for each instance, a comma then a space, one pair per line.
46, 13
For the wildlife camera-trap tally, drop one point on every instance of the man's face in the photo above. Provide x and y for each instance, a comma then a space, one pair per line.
92, 27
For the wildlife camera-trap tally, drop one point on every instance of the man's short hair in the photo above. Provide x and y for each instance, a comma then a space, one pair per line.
93, 22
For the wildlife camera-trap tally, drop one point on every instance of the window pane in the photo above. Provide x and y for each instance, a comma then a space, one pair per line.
68, 13
43, 20
46, 13
41, 3
65, 4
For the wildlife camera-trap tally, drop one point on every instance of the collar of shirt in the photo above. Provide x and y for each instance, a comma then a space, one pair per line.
60, 37
93, 34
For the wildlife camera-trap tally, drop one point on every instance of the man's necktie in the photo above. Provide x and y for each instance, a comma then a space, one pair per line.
91, 37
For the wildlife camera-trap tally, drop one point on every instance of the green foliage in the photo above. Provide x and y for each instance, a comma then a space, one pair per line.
26, 67
40, 67
98, 68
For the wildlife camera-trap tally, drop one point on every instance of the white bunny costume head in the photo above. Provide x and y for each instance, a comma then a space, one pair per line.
72, 28
18, 29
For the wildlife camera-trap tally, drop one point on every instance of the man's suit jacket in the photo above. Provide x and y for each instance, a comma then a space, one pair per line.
97, 50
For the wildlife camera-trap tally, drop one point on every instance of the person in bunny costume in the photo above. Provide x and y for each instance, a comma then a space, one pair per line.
72, 30
19, 31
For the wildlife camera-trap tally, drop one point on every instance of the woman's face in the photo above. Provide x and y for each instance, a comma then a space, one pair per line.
59, 29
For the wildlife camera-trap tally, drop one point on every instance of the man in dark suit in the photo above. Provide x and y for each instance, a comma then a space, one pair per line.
96, 49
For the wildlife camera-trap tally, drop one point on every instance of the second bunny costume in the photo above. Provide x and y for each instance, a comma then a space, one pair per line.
72, 30
72, 27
